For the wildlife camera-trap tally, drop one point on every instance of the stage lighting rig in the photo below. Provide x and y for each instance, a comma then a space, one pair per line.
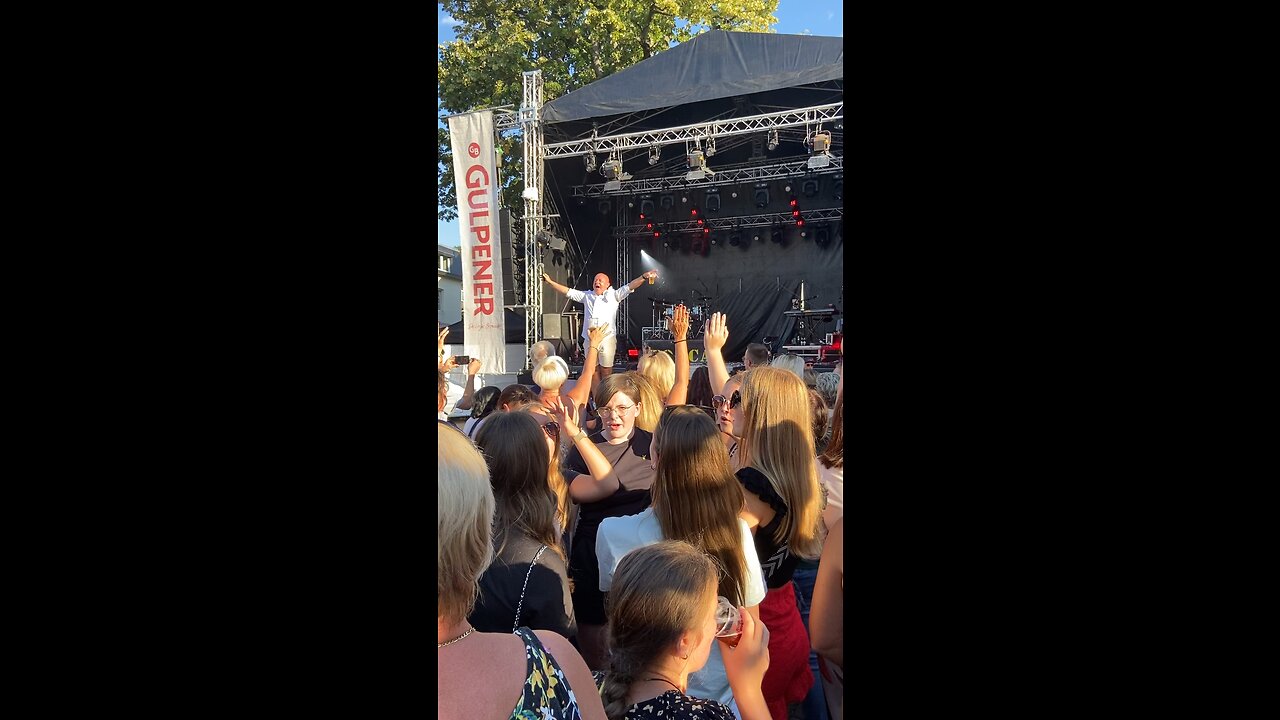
820, 149
655, 154
773, 140
612, 171
591, 162
698, 166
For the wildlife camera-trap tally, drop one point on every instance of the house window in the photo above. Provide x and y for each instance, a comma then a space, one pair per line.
444, 262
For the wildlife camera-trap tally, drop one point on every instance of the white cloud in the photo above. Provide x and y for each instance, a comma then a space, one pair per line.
448, 20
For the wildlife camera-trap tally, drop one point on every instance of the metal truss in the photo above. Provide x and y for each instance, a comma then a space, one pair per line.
624, 276
700, 131
728, 224
723, 176
533, 161
507, 120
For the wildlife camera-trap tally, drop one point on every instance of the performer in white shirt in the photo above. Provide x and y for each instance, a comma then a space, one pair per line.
600, 306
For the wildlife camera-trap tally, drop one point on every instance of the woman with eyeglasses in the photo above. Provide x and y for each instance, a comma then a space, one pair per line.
528, 582
695, 499
609, 475
665, 619
723, 404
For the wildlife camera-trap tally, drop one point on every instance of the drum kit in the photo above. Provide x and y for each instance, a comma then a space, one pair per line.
664, 310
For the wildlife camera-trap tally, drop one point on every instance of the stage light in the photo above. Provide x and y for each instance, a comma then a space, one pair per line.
667, 202
735, 238
591, 162
646, 207
654, 154
762, 197
713, 201
822, 236
810, 188
773, 139
711, 147
804, 233
693, 212
611, 169
697, 166
819, 146
821, 141
715, 239
755, 237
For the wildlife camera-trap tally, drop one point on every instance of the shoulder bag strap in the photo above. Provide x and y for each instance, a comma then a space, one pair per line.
520, 607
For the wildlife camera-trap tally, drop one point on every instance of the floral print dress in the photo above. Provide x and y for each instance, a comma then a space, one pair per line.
547, 695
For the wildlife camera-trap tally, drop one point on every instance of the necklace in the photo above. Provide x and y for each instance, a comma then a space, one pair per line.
450, 642
662, 679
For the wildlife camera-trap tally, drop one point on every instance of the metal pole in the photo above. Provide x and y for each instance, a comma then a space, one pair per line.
533, 159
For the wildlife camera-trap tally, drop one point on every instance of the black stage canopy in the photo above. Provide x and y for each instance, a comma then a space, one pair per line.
715, 64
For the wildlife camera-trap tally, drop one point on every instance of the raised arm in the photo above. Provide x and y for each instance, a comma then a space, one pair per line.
635, 284
469, 392
680, 330
562, 289
826, 616
714, 338
581, 391
603, 481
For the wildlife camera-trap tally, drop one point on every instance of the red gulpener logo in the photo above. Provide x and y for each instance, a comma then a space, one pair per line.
474, 150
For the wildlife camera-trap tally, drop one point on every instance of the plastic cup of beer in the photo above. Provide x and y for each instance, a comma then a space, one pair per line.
651, 279
728, 622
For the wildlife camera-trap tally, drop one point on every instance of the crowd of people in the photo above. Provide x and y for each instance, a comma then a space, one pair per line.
647, 543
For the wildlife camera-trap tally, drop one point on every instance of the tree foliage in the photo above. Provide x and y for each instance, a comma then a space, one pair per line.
573, 43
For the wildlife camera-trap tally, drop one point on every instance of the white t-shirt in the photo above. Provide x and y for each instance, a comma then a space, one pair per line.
602, 307
618, 536
833, 480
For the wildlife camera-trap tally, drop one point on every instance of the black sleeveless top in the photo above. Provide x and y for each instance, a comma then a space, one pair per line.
776, 561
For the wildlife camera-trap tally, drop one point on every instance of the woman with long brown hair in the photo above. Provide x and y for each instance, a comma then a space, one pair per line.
528, 582
696, 499
538, 669
663, 624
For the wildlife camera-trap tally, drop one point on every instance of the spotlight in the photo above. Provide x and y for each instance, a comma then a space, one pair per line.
697, 166
755, 237
654, 154
646, 207
591, 162
711, 147
762, 197
611, 169
773, 140
821, 141
819, 147
810, 188
667, 202
735, 238
715, 239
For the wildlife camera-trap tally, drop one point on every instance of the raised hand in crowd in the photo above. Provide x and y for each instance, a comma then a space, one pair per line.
679, 327
469, 392
581, 391
448, 364
444, 332
746, 665
715, 335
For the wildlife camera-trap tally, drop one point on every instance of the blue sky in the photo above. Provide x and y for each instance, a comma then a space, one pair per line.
795, 17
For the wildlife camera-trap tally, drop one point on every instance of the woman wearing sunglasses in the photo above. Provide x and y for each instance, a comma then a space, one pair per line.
609, 475
695, 499
528, 582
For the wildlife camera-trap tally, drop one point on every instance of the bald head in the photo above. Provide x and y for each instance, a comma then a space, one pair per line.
600, 283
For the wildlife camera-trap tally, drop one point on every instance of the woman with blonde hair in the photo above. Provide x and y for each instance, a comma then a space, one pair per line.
773, 416
697, 499
790, 363
528, 581
664, 616
540, 669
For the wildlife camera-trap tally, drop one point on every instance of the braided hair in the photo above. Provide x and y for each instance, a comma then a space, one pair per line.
660, 592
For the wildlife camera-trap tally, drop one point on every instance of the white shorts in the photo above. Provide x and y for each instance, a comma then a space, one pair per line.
608, 347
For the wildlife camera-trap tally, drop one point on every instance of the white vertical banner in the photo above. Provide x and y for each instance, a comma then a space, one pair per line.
476, 184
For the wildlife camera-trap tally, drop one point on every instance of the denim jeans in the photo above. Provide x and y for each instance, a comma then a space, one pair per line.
815, 704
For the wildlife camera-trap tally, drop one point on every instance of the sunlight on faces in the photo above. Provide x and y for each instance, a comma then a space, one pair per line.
600, 283
724, 416
618, 424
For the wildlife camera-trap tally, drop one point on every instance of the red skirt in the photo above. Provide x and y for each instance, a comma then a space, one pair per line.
788, 678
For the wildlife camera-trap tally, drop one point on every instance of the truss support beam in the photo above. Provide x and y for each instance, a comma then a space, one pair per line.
531, 128
728, 224
723, 176
702, 131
